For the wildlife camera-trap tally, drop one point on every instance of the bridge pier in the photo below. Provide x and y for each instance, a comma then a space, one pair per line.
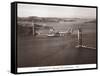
79, 38
34, 29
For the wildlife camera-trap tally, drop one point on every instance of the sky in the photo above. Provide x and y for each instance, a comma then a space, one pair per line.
25, 10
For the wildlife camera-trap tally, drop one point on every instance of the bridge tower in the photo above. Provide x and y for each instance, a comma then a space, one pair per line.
34, 29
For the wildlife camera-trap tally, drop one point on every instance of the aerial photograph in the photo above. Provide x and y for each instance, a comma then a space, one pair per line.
55, 35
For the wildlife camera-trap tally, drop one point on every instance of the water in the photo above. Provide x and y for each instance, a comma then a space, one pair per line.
48, 51
51, 51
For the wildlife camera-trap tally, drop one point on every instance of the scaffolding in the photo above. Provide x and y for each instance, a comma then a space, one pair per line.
80, 44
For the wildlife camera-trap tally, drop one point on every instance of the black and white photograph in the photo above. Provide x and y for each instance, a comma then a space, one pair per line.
53, 35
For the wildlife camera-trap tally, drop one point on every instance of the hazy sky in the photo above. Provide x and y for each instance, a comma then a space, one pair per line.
25, 10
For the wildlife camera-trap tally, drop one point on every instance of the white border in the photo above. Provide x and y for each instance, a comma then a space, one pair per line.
52, 68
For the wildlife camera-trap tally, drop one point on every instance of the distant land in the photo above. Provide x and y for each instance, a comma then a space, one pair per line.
50, 19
